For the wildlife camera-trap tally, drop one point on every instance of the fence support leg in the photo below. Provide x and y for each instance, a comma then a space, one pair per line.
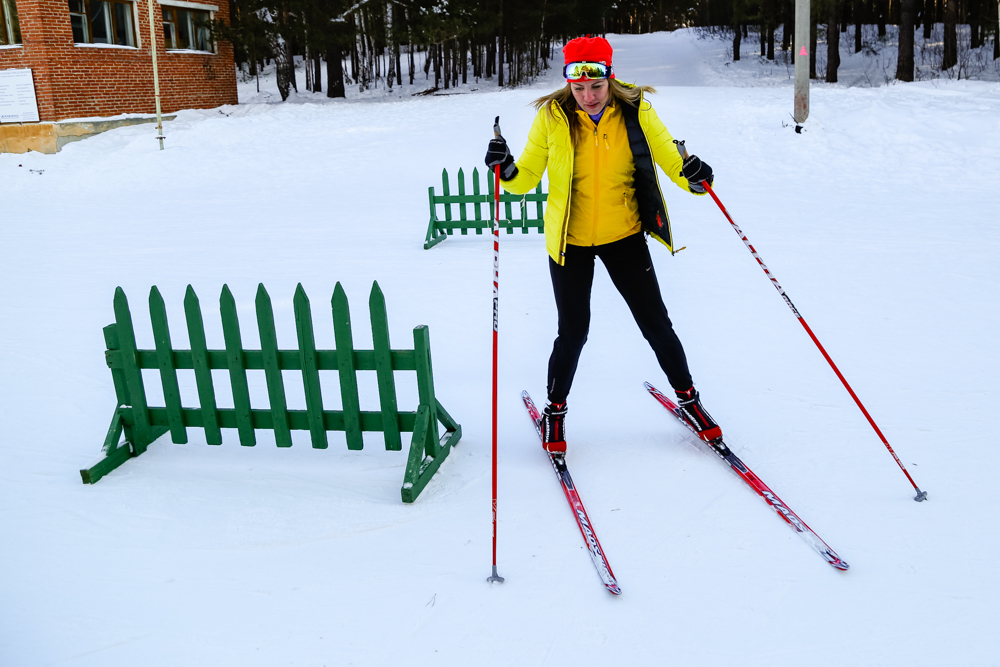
114, 454
420, 468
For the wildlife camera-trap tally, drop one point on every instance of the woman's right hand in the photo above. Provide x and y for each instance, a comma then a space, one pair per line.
497, 154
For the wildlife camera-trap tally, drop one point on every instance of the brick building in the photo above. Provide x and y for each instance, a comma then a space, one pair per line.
92, 58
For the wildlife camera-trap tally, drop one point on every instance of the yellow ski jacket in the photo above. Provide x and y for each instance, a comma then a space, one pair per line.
604, 192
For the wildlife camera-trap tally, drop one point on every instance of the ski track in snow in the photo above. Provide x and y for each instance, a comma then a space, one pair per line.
879, 221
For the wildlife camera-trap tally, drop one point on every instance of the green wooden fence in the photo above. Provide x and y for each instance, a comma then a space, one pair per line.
451, 213
143, 424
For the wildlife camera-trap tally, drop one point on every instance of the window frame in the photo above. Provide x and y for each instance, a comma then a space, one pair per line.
10, 24
190, 11
111, 22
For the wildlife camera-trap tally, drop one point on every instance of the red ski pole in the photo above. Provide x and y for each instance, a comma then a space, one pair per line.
495, 578
921, 495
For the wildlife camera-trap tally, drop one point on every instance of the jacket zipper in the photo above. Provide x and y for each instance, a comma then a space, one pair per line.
569, 199
597, 187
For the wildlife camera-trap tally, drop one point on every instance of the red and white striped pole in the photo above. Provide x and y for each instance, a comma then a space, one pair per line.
495, 578
921, 495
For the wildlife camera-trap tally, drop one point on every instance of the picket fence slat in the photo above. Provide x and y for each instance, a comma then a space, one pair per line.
348, 377
141, 424
310, 373
383, 367
272, 371
168, 374
461, 194
202, 371
237, 367
133, 376
475, 193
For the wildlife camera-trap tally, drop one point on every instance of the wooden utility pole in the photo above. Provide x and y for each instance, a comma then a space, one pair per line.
801, 62
156, 75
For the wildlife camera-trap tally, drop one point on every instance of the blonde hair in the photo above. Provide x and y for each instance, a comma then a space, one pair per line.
620, 92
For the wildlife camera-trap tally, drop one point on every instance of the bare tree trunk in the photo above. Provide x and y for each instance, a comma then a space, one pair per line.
437, 65
465, 62
335, 73
390, 36
975, 25
280, 52
411, 66
500, 49
307, 61
832, 40
859, 15
490, 58
395, 53
736, 43
354, 50
904, 62
996, 35
788, 29
950, 58
881, 9
813, 29
446, 57
930, 17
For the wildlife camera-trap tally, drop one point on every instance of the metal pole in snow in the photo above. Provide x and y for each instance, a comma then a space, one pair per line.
156, 75
802, 26
495, 578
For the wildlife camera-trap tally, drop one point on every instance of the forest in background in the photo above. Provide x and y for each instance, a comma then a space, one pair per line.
376, 43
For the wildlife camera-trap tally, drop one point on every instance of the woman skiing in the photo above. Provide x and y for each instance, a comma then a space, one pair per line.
599, 138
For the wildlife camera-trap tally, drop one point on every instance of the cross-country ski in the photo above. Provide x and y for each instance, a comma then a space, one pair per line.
718, 446
558, 460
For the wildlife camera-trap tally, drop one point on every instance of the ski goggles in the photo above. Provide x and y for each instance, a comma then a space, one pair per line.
585, 70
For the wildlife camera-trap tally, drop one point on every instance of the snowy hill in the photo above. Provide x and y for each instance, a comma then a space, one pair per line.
879, 220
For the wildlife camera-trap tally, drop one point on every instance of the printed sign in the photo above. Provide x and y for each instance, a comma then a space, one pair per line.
17, 97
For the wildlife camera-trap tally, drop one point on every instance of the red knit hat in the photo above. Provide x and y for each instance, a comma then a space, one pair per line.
587, 49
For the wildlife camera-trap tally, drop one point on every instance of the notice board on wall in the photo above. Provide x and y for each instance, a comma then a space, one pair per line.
17, 97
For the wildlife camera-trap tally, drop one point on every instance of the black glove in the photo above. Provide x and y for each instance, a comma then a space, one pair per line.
696, 171
499, 154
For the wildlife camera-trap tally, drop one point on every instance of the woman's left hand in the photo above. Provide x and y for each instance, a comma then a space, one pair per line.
696, 171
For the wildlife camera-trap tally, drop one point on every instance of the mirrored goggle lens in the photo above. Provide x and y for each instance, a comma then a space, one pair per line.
575, 71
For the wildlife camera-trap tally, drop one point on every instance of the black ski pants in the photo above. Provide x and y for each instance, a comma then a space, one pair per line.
631, 270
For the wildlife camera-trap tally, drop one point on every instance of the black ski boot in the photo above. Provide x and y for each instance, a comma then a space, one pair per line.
694, 413
553, 426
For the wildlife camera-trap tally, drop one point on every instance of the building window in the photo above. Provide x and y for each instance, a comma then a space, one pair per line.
187, 30
10, 29
101, 22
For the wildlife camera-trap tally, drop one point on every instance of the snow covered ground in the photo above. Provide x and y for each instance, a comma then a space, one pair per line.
879, 220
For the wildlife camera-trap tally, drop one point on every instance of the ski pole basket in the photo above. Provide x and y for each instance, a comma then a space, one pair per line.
450, 213
142, 424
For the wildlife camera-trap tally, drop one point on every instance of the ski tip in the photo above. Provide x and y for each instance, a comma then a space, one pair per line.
836, 561
614, 589
525, 394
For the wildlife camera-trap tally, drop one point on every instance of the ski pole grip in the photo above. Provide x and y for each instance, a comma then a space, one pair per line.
496, 129
680, 147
